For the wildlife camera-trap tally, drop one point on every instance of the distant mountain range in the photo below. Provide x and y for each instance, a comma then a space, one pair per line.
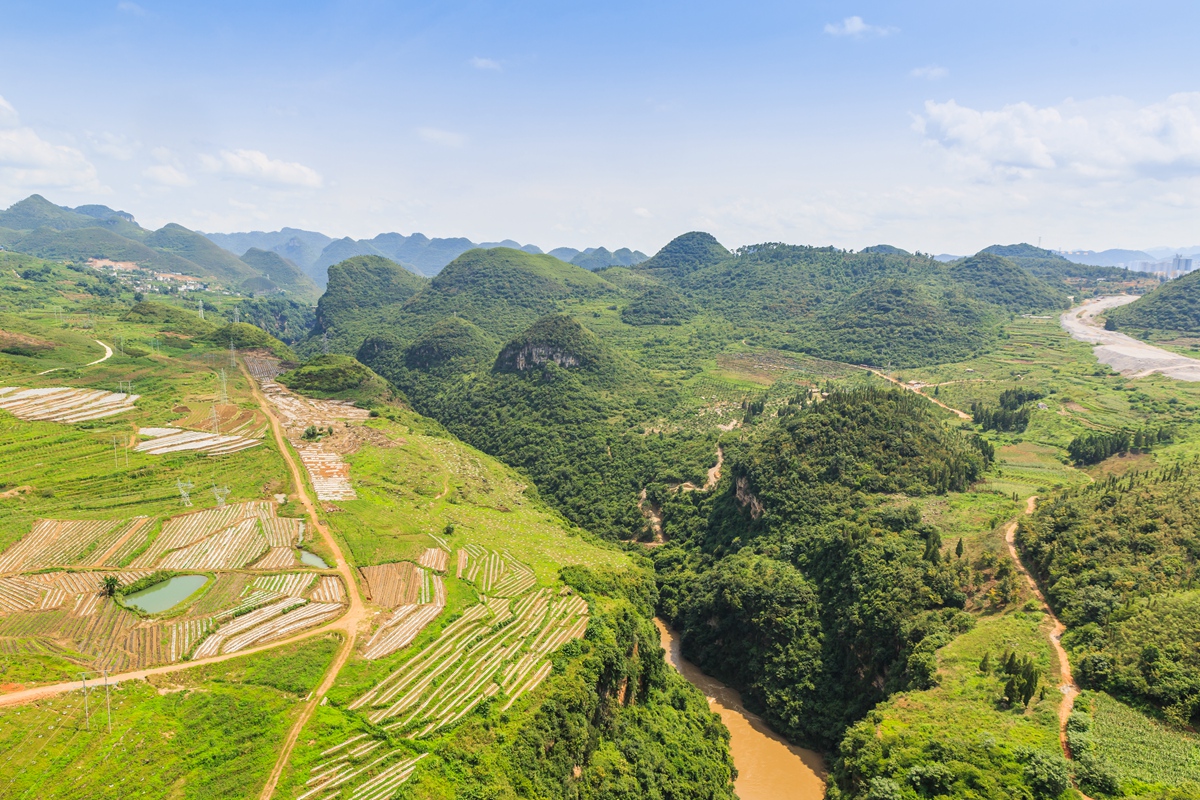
315, 252
38, 227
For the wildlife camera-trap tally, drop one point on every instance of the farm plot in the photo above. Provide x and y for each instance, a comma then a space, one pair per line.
393, 585
64, 404
224, 418
275, 621
58, 543
401, 627
160, 441
478, 655
434, 558
225, 537
474, 658
329, 473
328, 590
494, 573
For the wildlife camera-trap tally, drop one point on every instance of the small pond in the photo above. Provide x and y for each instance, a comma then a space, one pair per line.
313, 560
169, 593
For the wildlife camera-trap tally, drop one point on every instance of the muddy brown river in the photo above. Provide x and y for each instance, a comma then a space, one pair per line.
768, 767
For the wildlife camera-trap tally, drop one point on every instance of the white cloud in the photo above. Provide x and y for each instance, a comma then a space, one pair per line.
8, 114
930, 72
258, 167
856, 28
644, 213
167, 175
441, 137
114, 145
27, 160
1102, 139
131, 8
485, 63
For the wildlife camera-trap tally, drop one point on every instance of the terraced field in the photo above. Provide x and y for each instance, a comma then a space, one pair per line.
64, 404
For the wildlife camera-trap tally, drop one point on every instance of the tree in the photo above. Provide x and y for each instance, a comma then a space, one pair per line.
985, 665
109, 585
958, 551
1047, 774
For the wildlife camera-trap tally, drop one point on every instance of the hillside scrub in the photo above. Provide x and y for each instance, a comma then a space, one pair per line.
1114, 557
799, 581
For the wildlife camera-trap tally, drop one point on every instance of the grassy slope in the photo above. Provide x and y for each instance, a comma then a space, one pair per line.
208, 732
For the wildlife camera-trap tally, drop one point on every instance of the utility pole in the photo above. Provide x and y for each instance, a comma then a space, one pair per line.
86, 714
107, 701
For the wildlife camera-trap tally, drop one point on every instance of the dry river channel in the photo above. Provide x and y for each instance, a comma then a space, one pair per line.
768, 767
1123, 353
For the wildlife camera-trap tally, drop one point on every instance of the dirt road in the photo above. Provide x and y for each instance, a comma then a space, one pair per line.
1120, 351
348, 623
957, 412
1068, 687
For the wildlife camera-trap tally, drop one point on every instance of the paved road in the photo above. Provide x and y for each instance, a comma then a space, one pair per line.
1122, 352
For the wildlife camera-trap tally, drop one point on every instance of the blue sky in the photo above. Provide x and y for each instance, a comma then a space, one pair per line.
942, 127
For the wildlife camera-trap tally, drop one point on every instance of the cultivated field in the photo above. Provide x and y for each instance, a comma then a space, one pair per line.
63, 404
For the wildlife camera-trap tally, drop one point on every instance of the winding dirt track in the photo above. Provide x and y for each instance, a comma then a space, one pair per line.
957, 412
107, 355
1069, 689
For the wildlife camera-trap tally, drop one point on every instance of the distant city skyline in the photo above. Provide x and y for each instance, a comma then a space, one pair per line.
931, 127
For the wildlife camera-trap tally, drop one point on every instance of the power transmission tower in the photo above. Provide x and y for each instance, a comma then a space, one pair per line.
216, 421
186, 498
220, 492
200, 308
237, 316
224, 397
232, 353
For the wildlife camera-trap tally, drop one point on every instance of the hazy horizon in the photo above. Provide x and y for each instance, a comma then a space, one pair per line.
943, 129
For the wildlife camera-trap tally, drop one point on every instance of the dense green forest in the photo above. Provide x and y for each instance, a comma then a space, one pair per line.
1119, 561
1173, 306
801, 580
555, 402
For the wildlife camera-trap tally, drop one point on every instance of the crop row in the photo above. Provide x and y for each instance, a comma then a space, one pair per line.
62, 404
382, 784
329, 590
493, 573
477, 656
277, 558
402, 627
174, 440
231, 548
292, 584
434, 558
54, 542
282, 618
188, 529
393, 585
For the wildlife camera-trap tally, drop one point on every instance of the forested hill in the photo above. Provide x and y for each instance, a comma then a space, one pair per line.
879, 307
38, 227
1118, 558
1174, 306
801, 579
1050, 266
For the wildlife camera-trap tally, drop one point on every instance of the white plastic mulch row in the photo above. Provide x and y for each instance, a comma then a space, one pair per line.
475, 658
230, 549
278, 558
434, 558
330, 475
64, 404
54, 543
225, 537
329, 590
293, 584
381, 785
401, 628
174, 440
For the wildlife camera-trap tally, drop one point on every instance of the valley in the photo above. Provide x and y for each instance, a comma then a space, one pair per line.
431, 536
